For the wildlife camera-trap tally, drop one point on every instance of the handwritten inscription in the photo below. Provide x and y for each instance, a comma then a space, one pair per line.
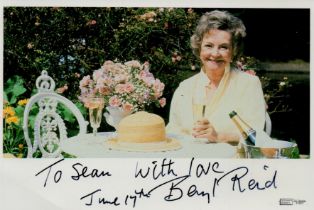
90, 198
164, 178
165, 169
82, 171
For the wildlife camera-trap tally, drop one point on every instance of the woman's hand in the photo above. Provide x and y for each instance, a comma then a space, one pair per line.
203, 129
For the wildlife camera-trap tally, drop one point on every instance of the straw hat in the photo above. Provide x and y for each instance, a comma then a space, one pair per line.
142, 132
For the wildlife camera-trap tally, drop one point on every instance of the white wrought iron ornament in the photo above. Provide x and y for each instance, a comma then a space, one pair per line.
49, 127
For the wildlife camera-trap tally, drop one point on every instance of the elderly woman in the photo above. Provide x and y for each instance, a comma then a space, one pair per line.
217, 42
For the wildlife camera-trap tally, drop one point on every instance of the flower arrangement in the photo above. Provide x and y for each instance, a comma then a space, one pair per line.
129, 86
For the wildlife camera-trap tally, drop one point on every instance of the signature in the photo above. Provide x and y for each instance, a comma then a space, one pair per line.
166, 181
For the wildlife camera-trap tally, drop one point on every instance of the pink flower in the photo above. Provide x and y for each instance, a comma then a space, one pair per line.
101, 87
157, 94
107, 66
128, 87
133, 64
146, 66
159, 86
85, 81
104, 91
108, 63
91, 22
97, 74
114, 101
252, 72
62, 89
108, 81
149, 81
124, 88
120, 78
190, 10
146, 94
84, 90
119, 88
162, 102
144, 74
127, 107
147, 77
100, 82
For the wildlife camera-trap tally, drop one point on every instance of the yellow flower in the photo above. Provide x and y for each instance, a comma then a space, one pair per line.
20, 155
13, 119
22, 102
8, 111
21, 146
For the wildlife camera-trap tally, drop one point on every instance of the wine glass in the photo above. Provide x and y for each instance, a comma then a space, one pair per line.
199, 108
96, 106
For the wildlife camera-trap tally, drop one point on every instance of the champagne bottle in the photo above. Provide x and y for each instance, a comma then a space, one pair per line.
248, 133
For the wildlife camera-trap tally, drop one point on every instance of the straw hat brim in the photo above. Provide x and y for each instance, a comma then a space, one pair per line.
167, 145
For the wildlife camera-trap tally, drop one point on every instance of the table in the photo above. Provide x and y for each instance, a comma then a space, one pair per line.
88, 146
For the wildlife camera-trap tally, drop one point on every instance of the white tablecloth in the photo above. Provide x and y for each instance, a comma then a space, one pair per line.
88, 146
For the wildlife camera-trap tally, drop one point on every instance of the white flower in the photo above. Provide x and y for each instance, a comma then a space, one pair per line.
161, 9
282, 83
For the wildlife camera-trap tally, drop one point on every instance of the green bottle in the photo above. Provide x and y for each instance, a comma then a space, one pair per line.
247, 132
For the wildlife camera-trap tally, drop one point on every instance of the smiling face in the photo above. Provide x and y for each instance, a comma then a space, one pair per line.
216, 50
